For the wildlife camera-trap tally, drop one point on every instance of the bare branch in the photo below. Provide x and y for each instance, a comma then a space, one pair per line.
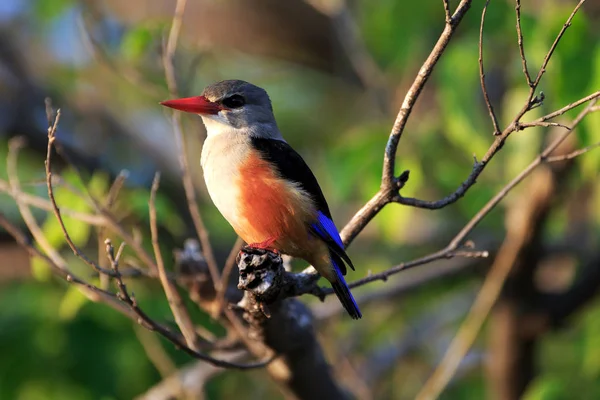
524, 125
229, 264
415, 90
495, 279
11, 168
182, 317
568, 107
520, 42
43, 204
60, 268
572, 154
111, 220
553, 47
144, 320
51, 138
482, 73
447, 11
188, 184
447, 252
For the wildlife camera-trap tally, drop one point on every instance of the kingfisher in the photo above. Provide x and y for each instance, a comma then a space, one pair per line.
262, 186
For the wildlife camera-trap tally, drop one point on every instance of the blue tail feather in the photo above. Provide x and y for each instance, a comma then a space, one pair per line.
342, 290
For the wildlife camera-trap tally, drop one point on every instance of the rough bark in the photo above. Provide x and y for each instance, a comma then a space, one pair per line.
286, 326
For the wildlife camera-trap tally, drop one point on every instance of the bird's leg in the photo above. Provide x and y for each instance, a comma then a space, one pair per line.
264, 245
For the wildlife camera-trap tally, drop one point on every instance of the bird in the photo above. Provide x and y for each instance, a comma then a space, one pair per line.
262, 186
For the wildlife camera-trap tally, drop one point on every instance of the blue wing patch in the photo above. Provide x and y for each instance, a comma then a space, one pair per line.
326, 230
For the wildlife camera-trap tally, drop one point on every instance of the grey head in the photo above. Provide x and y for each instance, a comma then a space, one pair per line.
243, 108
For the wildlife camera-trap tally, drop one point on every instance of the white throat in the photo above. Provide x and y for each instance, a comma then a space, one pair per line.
217, 124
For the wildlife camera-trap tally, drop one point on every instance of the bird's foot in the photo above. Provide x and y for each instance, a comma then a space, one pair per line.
264, 245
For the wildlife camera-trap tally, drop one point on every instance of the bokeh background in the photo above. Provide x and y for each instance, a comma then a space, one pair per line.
337, 73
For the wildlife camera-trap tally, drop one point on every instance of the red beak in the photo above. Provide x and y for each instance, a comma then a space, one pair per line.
196, 105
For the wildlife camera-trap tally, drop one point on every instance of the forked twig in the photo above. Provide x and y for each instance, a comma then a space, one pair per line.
182, 317
493, 283
149, 323
48, 163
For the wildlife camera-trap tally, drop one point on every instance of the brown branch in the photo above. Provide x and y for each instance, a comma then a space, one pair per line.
11, 168
413, 94
90, 290
390, 185
188, 183
144, 320
482, 73
447, 252
447, 11
498, 143
229, 264
182, 317
60, 269
401, 287
43, 204
286, 326
48, 163
493, 283
520, 42
452, 250
524, 125
389, 191
110, 219
555, 43
568, 107
572, 154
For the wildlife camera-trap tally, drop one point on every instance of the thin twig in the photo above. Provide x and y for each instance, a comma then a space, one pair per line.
182, 317
415, 90
555, 43
92, 292
144, 320
573, 154
524, 125
11, 167
60, 267
51, 138
388, 194
568, 107
447, 11
451, 250
482, 73
110, 219
520, 42
390, 185
229, 264
188, 184
43, 204
493, 283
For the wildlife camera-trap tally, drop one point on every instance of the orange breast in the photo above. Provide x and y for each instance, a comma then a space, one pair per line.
271, 208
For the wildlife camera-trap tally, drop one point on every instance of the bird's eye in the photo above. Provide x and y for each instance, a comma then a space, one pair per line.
235, 101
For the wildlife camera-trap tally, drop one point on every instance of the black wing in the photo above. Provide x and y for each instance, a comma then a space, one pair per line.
291, 166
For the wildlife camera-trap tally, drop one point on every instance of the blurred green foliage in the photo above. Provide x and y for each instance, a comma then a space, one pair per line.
55, 344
